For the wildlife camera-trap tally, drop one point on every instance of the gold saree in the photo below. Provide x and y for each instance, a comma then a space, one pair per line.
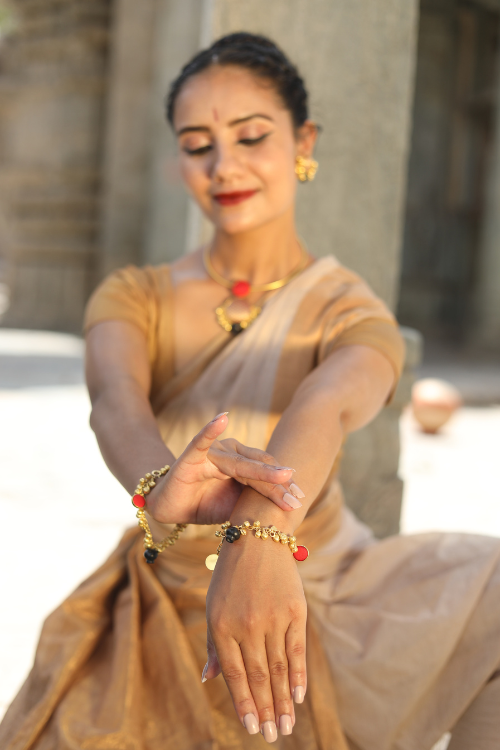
402, 633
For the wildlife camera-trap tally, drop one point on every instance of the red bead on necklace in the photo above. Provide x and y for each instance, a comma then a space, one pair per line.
241, 288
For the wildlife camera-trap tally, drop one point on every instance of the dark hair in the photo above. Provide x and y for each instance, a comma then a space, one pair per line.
255, 53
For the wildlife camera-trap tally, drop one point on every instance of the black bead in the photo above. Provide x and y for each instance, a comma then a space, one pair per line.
236, 328
232, 534
150, 555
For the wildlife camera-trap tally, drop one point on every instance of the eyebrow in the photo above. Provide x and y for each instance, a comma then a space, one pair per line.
204, 128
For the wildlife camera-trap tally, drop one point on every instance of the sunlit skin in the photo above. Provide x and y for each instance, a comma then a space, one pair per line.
235, 135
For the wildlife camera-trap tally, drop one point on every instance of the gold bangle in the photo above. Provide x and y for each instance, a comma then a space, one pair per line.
144, 487
231, 533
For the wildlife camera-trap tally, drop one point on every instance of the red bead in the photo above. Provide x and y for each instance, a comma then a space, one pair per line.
301, 554
138, 501
241, 288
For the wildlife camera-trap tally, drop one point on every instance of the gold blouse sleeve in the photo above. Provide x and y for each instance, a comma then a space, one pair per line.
135, 295
358, 317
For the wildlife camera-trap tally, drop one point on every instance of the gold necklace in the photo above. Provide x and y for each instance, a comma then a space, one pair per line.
236, 313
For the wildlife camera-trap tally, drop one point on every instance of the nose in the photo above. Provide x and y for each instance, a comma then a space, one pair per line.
226, 166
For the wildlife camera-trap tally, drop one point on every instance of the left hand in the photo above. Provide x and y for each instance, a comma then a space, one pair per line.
207, 479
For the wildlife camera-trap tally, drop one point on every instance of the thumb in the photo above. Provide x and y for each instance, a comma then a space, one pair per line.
212, 667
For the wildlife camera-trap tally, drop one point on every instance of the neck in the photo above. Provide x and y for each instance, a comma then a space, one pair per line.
260, 255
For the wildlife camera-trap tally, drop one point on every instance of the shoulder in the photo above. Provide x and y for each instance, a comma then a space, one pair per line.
132, 293
340, 288
354, 315
136, 277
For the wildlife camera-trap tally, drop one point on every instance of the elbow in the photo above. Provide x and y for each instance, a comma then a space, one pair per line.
96, 413
94, 418
318, 398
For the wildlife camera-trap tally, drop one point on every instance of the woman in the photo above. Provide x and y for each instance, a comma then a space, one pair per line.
403, 634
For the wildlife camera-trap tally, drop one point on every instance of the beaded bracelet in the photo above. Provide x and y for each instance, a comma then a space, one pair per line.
144, 487
231, 534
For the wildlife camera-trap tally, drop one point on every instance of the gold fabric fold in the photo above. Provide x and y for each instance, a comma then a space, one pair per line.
119, 665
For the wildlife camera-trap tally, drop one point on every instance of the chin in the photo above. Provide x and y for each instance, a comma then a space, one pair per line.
233, 225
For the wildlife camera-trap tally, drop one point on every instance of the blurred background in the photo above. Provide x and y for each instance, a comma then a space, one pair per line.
407, 194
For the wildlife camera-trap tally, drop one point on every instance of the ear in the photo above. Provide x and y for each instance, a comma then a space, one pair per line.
306, 138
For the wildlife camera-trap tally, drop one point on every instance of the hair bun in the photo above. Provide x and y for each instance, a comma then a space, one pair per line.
255, 53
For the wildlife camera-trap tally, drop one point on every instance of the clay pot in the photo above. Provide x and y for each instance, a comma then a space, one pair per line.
433, 402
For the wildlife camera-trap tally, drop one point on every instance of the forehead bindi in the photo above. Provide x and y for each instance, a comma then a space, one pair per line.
222, 95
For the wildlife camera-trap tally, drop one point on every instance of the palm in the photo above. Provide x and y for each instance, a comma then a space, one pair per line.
198, 499
205, 482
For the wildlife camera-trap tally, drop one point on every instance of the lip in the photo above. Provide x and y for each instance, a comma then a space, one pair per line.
232, 199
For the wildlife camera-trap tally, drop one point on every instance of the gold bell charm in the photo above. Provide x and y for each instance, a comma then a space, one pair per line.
305, 169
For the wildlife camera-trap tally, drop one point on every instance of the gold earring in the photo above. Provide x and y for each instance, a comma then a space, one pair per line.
305, 169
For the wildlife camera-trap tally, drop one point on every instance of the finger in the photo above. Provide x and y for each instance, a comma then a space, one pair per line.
243, 469
280, 685
212, 668
295, 644
267, 458
279, 494
257, 670
234, 673
198, 447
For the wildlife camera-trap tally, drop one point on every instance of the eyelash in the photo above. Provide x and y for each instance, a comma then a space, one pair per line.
244, 141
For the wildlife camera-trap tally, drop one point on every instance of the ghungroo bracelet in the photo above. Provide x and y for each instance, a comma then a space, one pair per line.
231, 534
144, 487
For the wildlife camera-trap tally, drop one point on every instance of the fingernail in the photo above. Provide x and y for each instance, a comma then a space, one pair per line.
269, 731
296, 490
298, 694
285, 724
205, 668
251, 724
281, 468
222, 414
291, 500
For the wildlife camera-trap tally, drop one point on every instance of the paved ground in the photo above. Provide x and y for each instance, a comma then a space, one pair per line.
63, 512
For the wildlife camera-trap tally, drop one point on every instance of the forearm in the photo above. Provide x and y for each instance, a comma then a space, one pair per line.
308, 437
340, 396
127, 434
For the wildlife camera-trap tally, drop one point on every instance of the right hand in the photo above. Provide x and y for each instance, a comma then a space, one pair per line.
205, 482
256, 617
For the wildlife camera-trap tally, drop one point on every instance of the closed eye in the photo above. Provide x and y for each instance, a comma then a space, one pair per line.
205, 149
253, 141
198, 151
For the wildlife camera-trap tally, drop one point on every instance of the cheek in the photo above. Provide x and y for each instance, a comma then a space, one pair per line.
277, 171
194, 175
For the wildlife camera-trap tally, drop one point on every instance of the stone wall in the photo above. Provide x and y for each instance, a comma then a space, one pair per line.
52, 90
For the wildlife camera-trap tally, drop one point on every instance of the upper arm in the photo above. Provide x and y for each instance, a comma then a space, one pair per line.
116, 356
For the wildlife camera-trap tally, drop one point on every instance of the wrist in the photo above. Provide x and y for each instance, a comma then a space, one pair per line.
153, 498
252, 506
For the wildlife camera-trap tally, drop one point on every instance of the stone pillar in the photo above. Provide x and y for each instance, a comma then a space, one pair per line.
487, 324
179, 35
127, 146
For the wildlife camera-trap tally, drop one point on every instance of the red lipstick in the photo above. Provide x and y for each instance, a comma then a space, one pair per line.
231, 199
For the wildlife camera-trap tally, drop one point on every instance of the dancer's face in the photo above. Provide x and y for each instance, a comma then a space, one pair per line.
238, 148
